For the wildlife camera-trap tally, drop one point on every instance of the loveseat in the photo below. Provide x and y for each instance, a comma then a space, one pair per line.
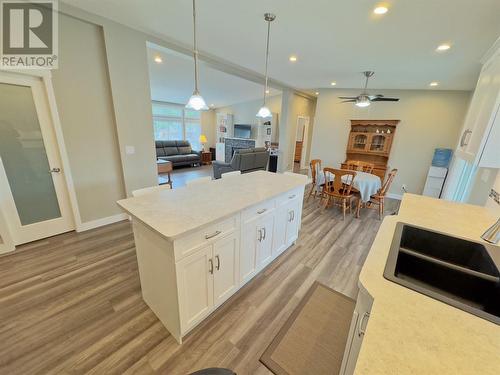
178, 152
244, 160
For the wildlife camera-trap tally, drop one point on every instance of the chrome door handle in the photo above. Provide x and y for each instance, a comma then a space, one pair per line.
55, 170
216, 233
262, 211
361, 330
217, 267
211, 269
464, 138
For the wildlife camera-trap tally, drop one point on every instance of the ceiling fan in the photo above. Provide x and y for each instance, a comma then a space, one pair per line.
363, 99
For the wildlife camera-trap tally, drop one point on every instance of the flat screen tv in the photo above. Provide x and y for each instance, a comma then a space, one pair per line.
242, 131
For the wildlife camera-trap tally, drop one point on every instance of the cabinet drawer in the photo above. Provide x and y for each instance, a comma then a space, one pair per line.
289, 196
191, 242
258, 210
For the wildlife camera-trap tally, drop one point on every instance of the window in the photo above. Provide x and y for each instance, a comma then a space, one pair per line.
174, 122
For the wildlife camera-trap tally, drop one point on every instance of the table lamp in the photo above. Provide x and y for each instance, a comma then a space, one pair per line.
203, 140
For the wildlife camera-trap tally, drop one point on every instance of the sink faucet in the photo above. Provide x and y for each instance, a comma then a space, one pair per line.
492, 234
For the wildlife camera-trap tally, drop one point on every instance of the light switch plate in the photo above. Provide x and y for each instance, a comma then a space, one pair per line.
129, 150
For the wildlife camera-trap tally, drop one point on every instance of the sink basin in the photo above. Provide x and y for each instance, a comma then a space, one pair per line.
464, 274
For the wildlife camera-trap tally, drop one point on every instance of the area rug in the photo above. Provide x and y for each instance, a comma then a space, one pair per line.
313, 339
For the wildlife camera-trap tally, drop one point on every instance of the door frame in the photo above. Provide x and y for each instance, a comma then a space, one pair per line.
46, 81
305, 140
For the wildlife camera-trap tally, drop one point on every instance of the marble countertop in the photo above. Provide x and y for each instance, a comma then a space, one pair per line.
176, 212
410, 333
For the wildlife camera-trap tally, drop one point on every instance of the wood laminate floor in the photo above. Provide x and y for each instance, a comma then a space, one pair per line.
72, 304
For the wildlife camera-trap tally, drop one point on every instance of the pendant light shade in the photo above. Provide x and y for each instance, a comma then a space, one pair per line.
362, 101
264, 112
196, 101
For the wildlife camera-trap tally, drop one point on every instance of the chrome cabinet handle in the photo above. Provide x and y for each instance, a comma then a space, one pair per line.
264, 230
217, 267
289, 216
262, 211
260, 235
211, 269
216, 233
361, 330
293, 215
464, 138
55, 170
292, 196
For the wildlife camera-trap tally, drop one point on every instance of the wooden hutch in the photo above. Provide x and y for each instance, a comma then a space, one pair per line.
371, 141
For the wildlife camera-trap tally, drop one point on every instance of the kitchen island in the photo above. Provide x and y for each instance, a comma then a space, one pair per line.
405, 332
197, 245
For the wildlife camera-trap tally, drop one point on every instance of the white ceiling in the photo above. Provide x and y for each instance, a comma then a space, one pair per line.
333, 39
172, 81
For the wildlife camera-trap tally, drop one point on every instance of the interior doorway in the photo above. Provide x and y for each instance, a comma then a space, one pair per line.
33, 192
301, 142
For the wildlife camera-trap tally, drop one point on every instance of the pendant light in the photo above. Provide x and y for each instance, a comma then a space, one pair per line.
264, 112
196, 101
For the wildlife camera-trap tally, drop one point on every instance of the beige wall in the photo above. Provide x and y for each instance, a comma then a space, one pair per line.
83, 97
208, 127
429, 119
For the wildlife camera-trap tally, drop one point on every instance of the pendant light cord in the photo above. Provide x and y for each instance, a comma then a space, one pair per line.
267, 59
195, 51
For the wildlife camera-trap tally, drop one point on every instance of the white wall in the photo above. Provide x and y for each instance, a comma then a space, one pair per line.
429, 119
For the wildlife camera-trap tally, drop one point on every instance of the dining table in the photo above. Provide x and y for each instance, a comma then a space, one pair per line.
366, 183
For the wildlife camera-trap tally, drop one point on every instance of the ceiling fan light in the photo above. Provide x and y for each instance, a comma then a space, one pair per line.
196, 102
362, 101
264, 112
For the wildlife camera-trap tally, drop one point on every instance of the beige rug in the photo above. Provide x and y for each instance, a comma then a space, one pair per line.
313, 339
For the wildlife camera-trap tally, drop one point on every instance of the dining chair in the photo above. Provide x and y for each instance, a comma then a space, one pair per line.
149, 190
200, 180
361, 166
230, 174
338, 188
315, 166
378, 199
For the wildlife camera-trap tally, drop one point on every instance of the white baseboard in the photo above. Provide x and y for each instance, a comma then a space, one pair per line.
101, 222
394, 196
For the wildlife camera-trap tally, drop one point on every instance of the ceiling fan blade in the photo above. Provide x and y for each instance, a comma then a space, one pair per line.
349, 101
385, 100
348, 97
375, 96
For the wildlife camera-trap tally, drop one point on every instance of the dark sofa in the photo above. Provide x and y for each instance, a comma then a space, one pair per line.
244, 160
178, 152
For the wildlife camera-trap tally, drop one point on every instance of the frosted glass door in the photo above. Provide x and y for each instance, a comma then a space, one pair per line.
34, 197
24, 157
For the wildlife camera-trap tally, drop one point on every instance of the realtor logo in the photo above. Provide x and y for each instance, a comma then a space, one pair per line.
29, 34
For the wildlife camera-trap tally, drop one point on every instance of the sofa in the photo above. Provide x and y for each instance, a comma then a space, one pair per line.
178, 152
244, 160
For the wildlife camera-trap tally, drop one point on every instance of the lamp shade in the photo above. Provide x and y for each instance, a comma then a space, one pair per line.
203, 138
196, 102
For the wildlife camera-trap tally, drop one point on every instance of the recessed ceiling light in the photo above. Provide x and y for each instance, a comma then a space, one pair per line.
433, 84
267, 91
292, 58
333, 83
443, 47
380, 10
316, 93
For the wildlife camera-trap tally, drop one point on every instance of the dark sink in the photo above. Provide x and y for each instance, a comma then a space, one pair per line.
461, 273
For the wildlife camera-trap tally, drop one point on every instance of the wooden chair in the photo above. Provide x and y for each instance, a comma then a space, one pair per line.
378, 199
362, 166
338, 189
315, 166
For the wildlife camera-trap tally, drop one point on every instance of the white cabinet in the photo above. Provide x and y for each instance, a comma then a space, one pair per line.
357, 331
265, 241
287, 224
225, 268
248, 255
480, 117
293, 221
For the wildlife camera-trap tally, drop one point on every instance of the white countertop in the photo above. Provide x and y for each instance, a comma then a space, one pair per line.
410, 333
175, 212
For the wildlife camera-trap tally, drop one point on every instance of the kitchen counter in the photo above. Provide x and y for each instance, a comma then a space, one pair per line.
410, 333
176, 212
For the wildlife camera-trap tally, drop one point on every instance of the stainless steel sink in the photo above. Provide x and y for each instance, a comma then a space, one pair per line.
461, 273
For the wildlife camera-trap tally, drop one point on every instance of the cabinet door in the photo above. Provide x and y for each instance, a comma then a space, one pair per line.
279, 235
264, 247
195, 283
248, 248
226, 266
293, 221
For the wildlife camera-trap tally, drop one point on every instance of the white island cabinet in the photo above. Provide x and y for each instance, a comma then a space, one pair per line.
196, 246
